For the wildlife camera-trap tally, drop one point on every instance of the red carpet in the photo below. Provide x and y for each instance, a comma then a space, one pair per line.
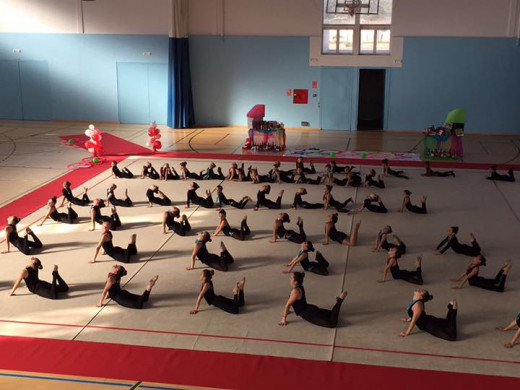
221, 370
113, 146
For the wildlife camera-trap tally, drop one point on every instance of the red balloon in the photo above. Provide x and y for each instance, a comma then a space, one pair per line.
96, 137
157, 144
89, 144
97, 131
157, 136
150, 132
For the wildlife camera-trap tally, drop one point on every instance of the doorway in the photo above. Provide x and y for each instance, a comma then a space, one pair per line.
371, 100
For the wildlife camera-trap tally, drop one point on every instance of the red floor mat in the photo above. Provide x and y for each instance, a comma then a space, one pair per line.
221, 370
113, 146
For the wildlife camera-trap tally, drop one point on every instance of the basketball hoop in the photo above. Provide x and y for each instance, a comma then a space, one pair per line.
354, 7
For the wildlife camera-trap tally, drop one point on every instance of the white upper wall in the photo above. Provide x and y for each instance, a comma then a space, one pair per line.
456, 18
39, 16
436, 18
127, 17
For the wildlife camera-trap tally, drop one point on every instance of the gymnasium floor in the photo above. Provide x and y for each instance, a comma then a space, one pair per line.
31, 157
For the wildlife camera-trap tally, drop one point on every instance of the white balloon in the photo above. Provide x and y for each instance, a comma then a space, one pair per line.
148, 144
91, 150
91, 127
89, 133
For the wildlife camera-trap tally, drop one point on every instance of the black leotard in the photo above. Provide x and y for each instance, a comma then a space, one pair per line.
114, 220
67, 193
150, 194
315, 315
414, 277
238, 234
118, 202
180, 228
415, 209
42, 288
222, 199
118, 253
223, 303
369, 179
453, 243
192, 197
68, 217
340, 207
150, 172
291, 235
376, 208
261, 200
336, 235
497, 284
320, 266
126, 298
24, 245
303, 204
445, 329
212, 260
122, 174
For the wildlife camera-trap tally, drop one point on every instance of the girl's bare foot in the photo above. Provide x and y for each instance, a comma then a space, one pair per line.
343, 295
152, 282
453, 303
418, 261
133, 238
472, 237
281, 193
242, 283
126, 192
222, 246
55, 268
507, 266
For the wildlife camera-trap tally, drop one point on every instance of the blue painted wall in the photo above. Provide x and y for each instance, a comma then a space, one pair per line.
481, 75
81, 76
75, 77
232, 74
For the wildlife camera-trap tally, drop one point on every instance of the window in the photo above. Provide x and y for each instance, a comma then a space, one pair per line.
366, 32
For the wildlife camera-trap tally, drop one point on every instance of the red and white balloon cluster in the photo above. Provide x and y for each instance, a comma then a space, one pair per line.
154, 135
93, 145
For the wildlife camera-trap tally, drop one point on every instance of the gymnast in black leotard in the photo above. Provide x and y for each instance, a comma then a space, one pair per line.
95, 216
300, 165
223, 226
279, 230
300, 178
121, 174
192, 197
161, 200
407, 203
351, 179
124, 298
369, 201
149, 171
40, 287
470, 275
186, 174
369, 180
514, 324
331, 233
452, 242
277, 175
168, 173
261, 200
210, 174
220, 263
392, 265
180, 228
257, 178
431, 172
498, 177
115, 252
69, 217
111, 198
24, 244
310, 313
69, 197
303, 204
445, 329
320, 266
222, 199
329, 200
208, 293
382, 241
232, 172
389, 171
